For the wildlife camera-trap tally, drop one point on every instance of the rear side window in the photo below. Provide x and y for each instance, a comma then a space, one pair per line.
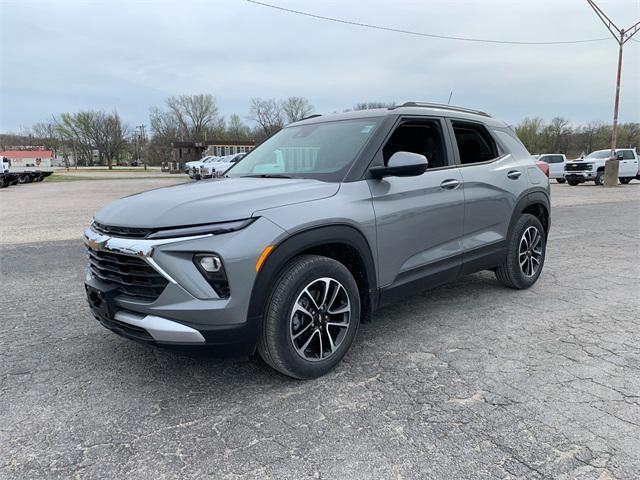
475, 144
514, 146
552, 159
627, 155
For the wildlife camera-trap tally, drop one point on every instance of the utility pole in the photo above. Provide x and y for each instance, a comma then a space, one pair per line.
621, 36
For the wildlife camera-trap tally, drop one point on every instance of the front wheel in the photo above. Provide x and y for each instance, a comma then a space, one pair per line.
561, 180
311, 319
526, 251
573, 184
599, 180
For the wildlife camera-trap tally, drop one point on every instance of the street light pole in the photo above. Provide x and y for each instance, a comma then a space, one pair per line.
612, 166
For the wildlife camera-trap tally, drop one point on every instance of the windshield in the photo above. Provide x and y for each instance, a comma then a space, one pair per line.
599, 154
323, 151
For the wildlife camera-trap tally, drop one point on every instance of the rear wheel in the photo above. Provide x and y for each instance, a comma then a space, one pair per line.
526, 251
625, 181
561, 180
311, 319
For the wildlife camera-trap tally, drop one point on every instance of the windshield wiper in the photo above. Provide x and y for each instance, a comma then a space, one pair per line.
266, 175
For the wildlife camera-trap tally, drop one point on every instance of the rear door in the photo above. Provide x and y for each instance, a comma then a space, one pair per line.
493, 179
418, 219
628, 163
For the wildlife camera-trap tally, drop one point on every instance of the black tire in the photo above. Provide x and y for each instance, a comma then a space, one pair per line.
599, 180
276, 343
510, 273
573, 184
4, 183
23, 179
625, 181
561, 180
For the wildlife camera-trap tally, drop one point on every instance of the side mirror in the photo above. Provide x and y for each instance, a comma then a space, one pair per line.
402, 164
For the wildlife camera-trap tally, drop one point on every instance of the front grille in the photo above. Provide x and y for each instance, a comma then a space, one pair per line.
577, 167
127, 232
131, 275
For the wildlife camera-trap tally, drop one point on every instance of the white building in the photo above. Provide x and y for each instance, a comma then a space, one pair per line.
29, 158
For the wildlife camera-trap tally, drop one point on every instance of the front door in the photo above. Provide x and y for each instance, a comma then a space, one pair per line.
418, 219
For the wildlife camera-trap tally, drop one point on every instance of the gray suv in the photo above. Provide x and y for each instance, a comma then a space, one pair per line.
325, 221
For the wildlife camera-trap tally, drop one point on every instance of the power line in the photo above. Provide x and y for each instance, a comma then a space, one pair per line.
421, 34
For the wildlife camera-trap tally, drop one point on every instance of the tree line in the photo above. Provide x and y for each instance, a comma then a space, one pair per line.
559, 136
102, 137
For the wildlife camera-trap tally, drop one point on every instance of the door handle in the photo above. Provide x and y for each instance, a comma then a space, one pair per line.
514, 174
450, 184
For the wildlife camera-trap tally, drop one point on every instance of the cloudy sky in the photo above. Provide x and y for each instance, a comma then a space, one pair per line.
68, 55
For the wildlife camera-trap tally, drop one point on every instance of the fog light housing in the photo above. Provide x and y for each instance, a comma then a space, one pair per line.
212, 269
210, 263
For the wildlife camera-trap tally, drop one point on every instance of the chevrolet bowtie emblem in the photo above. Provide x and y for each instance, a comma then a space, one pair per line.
95, 245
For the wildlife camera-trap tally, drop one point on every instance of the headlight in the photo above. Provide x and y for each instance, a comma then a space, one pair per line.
208, 229
212, 269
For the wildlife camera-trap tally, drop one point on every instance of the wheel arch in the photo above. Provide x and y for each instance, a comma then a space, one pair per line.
334, 241
537, 203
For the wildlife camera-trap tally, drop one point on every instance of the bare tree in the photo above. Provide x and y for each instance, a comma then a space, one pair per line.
267, 113
236, 128
559, 131
629, 134
164, 125
589, 132
529, 131
194, 114
90, 130
112, 135
75, 130
296, 108
46, 133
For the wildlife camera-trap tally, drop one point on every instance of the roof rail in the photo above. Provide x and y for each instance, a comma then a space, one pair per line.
440, 105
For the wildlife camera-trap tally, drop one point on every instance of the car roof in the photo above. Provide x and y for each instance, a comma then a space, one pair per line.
409, 108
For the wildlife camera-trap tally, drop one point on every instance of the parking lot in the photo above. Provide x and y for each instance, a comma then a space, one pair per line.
469, 380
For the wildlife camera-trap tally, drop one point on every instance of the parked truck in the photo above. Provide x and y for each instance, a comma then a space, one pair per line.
591, 167
9, 177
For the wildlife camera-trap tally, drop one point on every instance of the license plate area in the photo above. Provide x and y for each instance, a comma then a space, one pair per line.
101, 302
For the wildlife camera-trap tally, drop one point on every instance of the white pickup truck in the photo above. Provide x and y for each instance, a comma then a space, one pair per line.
556, 162
591, 167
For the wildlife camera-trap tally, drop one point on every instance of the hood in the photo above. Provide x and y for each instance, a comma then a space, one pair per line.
211, 201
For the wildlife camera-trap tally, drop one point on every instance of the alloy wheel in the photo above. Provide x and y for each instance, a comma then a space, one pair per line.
530, 251
320, 319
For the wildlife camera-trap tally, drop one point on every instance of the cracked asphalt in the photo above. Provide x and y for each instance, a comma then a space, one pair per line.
469, 380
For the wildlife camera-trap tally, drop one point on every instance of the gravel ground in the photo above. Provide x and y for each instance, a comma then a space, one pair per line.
38, 212
469, 380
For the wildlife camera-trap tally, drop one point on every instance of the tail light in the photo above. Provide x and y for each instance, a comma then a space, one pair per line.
544, 167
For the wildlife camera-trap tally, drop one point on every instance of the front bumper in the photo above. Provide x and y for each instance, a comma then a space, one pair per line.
580, 176
188, 311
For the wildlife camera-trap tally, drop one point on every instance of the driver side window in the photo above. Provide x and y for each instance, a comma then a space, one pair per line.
422, 137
